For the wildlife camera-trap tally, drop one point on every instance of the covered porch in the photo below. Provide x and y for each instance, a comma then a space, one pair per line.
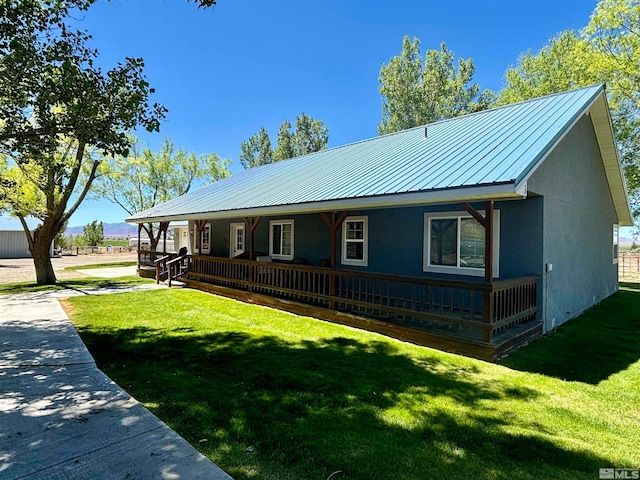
484, 318
472, 318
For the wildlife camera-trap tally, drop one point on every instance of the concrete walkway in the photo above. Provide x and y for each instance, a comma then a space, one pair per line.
62, 418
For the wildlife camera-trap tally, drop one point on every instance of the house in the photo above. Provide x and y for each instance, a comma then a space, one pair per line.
472, 234
13, 241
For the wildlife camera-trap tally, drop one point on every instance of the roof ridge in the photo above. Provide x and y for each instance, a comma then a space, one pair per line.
444, 120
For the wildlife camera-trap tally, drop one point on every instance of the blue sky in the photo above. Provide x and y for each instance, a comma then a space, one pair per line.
225, 72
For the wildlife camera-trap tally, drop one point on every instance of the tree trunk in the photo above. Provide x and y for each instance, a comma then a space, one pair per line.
41, 253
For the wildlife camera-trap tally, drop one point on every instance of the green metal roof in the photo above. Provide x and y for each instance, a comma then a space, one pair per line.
488, 154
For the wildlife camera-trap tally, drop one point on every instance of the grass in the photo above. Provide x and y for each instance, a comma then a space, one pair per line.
115, 243
88, 282
270, 395
102, 265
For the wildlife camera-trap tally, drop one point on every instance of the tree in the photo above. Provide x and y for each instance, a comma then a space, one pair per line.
93, 233
59, 114
416, 93
145, 179
257, 150
310, 135
284, 150
606, 50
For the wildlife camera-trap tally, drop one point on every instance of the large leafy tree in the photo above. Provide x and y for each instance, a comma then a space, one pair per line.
59, 115
309, 136
257, 150
606, 50
416, 92
284, 149
145, 179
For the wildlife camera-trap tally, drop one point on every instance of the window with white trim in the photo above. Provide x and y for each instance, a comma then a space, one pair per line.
355, 241
204, 241
616, 242
454, 242
281, 239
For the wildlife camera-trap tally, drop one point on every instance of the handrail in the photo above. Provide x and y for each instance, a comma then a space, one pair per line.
178, 263
162, 259
487, 308
161, 266
479, 285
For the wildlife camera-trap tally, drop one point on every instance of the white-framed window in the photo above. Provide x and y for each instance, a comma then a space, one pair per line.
454, 243
281, 239
355, 241
205, 240
616, 242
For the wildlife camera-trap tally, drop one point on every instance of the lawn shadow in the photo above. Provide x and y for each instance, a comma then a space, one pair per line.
72, 284
601, 342
309, 409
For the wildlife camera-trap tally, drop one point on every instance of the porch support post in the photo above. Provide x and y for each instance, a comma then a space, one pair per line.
139, 244
200, 224
488, 299
334, 222
487, 223
164, 226
252, 224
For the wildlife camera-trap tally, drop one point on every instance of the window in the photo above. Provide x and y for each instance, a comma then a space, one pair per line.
206, 240
454, 243
281, 239
616, 242
355, 241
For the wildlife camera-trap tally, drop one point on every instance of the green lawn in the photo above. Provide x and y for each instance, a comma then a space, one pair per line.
270, 395
102, 265
88, 282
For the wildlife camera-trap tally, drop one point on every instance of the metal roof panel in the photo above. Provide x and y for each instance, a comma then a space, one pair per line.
491, 147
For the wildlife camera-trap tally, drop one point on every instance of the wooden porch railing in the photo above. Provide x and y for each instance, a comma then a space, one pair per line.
485, 309
147, 258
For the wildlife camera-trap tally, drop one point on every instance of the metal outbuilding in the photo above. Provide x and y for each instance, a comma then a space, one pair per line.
13, 241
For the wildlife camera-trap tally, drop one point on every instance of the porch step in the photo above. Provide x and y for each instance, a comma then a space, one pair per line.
146, 271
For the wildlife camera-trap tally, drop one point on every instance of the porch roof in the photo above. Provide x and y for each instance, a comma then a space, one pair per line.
485, 155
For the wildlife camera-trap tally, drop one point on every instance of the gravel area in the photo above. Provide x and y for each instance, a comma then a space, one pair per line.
22, 269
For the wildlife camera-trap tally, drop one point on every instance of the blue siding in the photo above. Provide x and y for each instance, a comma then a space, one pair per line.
396, 237
578, 217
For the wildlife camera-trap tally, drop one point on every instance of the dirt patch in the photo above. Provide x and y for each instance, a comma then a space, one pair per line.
22, 270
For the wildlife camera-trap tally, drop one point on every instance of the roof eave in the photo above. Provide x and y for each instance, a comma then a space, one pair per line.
497, 191
611, 160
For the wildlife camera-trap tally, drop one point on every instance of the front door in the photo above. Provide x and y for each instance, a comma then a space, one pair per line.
236, 243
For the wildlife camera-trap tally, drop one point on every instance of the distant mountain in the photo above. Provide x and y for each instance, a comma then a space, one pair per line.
626, 241
110, 230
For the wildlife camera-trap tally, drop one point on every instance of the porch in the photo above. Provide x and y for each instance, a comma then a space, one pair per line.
483, 320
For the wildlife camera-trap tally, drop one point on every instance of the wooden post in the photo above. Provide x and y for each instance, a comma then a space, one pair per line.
488, 299
334, 222
200, 224
139, 232
164, 226
487, 223
251, 224
488, 242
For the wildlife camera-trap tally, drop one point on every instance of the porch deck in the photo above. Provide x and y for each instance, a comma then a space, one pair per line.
483, 320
